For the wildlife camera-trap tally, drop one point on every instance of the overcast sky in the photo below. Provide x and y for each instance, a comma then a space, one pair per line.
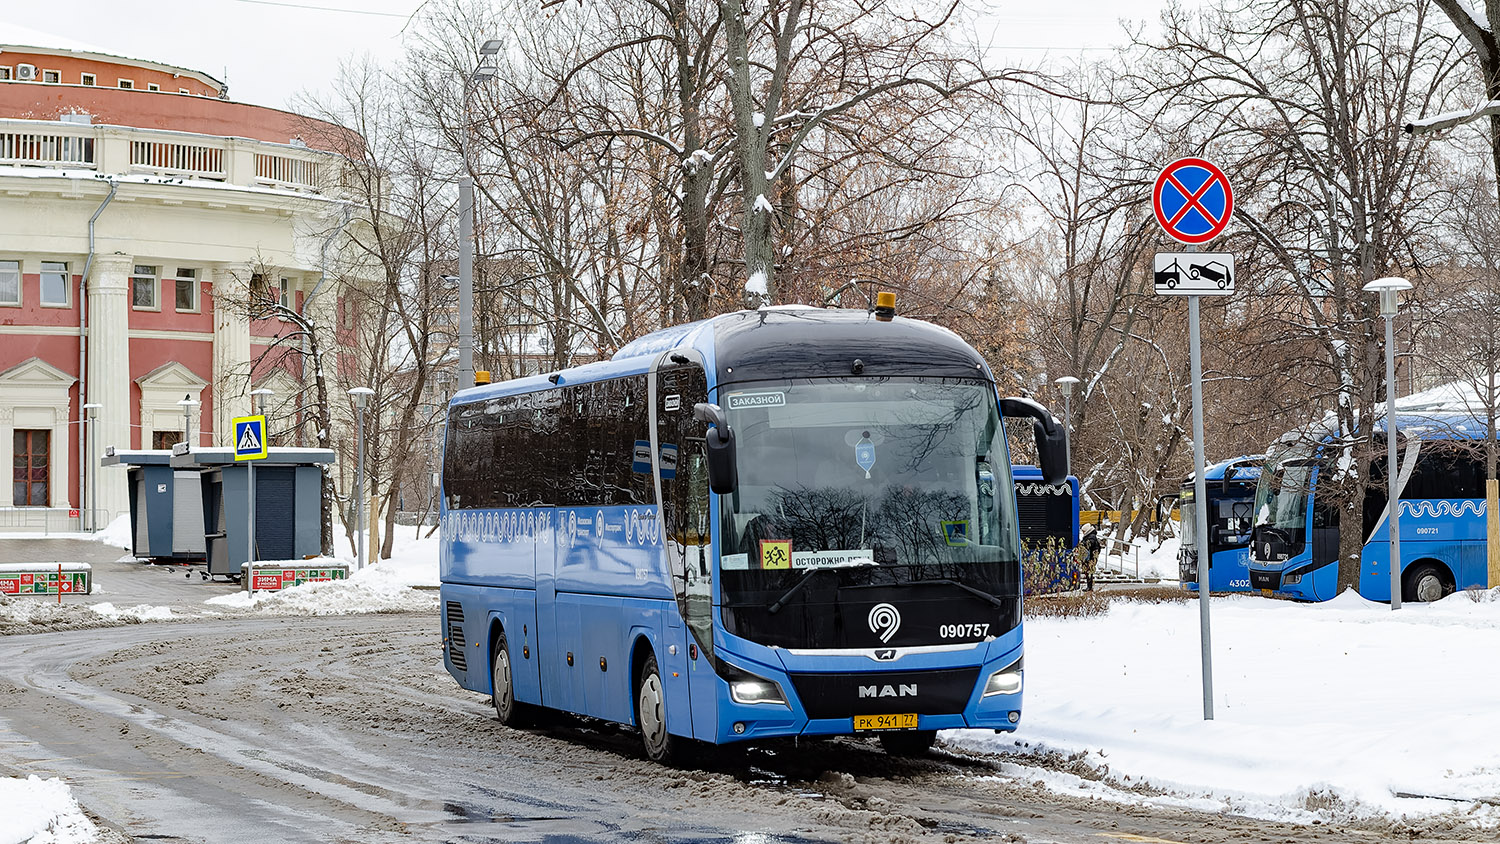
268, 50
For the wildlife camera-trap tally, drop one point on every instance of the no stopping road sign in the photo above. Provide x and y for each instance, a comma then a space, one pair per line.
1192, 200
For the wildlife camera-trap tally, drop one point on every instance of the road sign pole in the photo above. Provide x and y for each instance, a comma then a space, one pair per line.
1200, 511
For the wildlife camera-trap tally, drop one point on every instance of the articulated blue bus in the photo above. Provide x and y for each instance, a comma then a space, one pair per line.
783, 522
1294, 546
1230, 487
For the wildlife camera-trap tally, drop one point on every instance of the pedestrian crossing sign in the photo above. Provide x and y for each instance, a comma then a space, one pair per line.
249, 438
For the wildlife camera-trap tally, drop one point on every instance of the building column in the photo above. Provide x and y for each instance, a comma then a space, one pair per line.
231, 378
109, 371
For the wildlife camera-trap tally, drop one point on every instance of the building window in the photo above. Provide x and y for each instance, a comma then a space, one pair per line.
165, 439
51, 76
86, 79
54, 284
143, 288
152, 86
183, 91
32, 463
10, 282
5, 73
127, 83
284, 293
186, 282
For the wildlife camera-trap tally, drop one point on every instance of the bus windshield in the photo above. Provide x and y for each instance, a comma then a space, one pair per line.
1281, 496
884, 481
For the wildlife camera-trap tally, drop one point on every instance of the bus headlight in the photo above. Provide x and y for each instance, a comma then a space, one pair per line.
745, 687
1006, 681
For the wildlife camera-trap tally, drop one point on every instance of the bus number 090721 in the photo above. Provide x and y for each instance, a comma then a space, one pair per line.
963, 631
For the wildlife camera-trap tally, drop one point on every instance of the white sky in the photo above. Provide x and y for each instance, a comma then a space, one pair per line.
267, 50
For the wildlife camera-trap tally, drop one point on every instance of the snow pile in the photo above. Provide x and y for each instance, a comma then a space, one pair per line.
41, 811
375, 589
1324, 711
1146, 558
414, 559
117, 533
42, 614
140, 612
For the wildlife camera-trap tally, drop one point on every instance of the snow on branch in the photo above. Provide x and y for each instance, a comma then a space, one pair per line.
1450, 119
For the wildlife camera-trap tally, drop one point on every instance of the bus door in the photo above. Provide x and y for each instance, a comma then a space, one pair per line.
683, 468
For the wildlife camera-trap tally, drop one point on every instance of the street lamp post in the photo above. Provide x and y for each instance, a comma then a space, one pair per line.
1389, 290
1066, 384
361, 396
483, 73
91, 412
187, 404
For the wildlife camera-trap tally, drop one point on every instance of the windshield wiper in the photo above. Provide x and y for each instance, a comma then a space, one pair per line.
942, 581
776, 605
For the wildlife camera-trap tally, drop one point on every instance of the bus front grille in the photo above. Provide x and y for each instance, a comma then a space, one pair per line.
939, 692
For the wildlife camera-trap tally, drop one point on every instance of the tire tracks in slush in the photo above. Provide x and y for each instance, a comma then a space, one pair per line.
349, 729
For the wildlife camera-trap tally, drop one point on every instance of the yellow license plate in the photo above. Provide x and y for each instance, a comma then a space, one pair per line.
905, 721
1267, 593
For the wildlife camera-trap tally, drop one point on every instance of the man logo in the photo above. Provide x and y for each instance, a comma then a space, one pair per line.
884, 621
885, 654
902, 690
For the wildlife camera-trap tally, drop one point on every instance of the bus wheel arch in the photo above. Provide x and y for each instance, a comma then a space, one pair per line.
650, 706
510, 712
1426, 580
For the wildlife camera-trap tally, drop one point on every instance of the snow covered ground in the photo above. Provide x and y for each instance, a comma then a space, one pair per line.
1322, 712
39, 811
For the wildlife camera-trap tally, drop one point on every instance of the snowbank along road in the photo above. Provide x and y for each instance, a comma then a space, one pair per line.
348, 729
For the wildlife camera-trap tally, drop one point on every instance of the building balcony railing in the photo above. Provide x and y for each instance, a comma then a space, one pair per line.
118, 150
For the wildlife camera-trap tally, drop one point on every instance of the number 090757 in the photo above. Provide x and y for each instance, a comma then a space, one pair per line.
963, 631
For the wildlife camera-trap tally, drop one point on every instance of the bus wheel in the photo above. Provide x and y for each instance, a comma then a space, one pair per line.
503, 692
651, 715
1425, 583
912, 743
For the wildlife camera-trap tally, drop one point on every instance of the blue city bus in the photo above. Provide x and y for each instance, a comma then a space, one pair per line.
1294, 546
1048, 518
782, 522
1230, 487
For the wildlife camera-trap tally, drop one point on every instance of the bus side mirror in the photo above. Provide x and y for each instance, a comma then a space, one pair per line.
723, 472
1051, 437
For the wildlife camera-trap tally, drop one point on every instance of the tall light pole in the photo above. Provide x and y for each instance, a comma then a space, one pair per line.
1066, 384
1389, 290
483, 73
361, 396
187, 404
259, 397
91, 412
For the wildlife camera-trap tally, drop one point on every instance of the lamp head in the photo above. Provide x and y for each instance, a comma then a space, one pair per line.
1389, 289
490, 47
187, 402
92, 410
484, 73
361, 395
1066, 384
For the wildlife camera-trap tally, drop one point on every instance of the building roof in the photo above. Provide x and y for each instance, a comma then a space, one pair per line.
23, 39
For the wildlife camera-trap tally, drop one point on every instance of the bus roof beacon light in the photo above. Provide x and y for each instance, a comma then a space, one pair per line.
1389, 289
481, 377
885, 306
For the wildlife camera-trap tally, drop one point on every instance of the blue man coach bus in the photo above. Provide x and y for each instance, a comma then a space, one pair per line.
1230, 487
1294, 547
783, 522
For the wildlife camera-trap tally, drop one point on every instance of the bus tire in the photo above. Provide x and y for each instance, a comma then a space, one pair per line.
1425, 582
912, 743
511, 712
651, 715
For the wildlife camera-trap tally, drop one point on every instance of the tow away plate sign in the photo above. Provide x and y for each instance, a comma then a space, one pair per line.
1193, 273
